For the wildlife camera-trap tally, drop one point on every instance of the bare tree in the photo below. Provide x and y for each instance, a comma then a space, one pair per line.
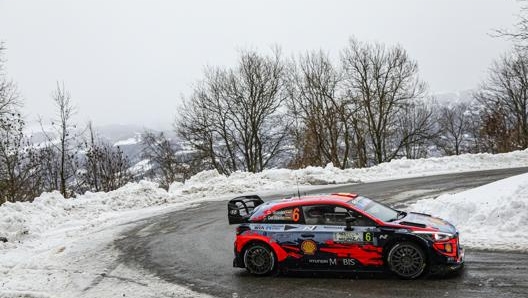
235, 116
317, 98
166, 165
9, 97
383, 80
19, 179
414, 130
520, 34
60, 143
454, 125
505, 92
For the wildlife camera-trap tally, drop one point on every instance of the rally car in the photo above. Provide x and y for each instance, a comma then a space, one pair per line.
341, 232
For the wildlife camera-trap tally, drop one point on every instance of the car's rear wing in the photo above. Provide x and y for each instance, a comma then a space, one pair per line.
239, 209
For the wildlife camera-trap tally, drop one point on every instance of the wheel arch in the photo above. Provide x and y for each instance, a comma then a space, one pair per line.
280, 253
422, 243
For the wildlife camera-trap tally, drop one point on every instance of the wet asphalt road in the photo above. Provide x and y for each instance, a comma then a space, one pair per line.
193, 247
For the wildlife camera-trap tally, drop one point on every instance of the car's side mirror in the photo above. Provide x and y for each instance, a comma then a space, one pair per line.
349, 221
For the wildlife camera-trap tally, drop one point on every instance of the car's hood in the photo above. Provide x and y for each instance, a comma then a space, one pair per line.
419, 219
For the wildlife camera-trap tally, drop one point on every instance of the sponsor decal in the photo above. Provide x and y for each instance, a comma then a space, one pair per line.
233, 212
349, 262
385, 236
318, 261
309, 228
353, 237
267, 227
281, 215
348, 237
334, 261
274, 227
308, 247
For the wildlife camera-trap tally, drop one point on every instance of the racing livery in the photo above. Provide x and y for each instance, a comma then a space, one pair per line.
341, 232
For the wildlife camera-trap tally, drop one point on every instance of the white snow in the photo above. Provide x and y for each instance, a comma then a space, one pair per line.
130, 141
493, 216
403, 168
63, 246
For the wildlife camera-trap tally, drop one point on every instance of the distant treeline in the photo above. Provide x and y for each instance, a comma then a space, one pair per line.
367, 107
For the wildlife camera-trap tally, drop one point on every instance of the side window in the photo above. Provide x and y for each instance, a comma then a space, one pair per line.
325, 215
291, 215
332, 215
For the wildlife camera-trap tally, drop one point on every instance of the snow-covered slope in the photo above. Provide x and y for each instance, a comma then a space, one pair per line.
493, 216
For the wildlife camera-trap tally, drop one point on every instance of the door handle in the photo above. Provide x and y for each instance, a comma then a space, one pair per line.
307, 235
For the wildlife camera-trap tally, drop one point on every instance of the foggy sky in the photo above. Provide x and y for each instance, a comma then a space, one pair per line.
130, 62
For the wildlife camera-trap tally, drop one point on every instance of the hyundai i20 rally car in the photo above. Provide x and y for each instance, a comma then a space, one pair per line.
341, 233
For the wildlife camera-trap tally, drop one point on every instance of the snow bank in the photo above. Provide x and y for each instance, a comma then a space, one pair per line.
20, 220
212, 182
403, 168
23, 219
493, 216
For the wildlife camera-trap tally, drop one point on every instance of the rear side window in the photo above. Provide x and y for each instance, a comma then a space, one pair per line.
291, 215
325, 215
332, 215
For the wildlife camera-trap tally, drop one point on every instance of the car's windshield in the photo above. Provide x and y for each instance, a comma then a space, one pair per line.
376, 209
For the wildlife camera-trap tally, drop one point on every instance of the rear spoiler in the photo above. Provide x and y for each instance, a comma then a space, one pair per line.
239, 209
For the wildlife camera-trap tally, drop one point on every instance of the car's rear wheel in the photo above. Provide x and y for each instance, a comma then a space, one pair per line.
407, 260
259, 259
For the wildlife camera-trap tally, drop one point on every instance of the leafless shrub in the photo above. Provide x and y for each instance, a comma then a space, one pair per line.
166, 165
104, 167
19, 162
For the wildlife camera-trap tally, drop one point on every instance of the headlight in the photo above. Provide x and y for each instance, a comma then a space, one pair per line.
435, 236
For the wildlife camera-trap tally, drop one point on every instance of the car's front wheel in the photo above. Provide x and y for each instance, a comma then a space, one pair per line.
259, 259
407, 260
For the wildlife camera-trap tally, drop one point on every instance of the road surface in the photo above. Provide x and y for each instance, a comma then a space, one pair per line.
193, 248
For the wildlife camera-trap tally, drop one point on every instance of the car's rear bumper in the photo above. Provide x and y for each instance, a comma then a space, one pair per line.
238, 261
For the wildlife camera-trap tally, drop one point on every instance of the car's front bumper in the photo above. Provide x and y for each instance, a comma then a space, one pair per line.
449, 265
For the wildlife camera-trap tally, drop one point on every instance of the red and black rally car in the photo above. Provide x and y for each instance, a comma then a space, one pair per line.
342, 233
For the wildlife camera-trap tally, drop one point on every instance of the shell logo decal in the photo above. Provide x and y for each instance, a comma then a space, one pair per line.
309, 247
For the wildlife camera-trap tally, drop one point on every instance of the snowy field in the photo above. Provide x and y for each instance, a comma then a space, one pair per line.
63, 248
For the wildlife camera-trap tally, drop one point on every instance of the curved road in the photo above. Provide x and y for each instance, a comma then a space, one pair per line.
193, 247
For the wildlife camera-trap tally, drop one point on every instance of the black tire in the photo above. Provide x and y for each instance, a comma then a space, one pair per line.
407, 260
259, 259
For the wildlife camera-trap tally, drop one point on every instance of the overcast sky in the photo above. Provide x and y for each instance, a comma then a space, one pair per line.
130, 62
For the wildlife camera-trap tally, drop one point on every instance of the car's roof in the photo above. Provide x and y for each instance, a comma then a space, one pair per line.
338, 198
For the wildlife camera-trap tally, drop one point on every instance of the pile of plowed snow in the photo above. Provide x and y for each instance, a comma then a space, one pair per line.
493, 216
51, 210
